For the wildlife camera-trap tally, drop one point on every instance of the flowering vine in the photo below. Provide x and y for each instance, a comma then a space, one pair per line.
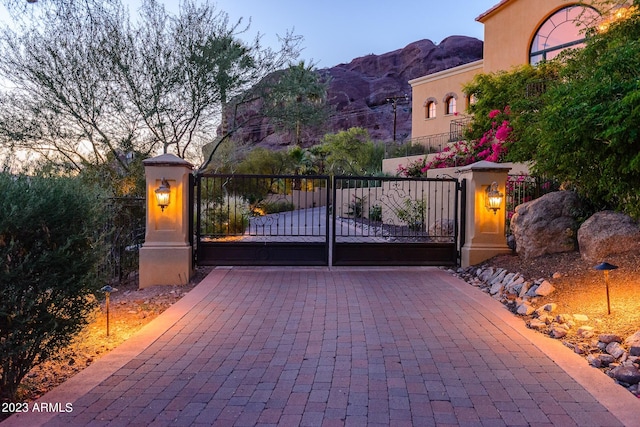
492, 146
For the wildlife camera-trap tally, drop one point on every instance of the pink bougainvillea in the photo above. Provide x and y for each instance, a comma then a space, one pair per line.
492, 146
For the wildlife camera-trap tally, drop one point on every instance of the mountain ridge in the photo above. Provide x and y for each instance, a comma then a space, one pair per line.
360, 92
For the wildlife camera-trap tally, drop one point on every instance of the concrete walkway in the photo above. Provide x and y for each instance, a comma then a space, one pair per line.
314, 347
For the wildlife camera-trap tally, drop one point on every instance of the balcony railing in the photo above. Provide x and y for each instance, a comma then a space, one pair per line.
436, 143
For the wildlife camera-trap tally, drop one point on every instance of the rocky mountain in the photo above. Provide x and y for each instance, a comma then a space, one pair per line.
362, 92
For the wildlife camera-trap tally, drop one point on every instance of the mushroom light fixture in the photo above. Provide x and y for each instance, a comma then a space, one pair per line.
605, 267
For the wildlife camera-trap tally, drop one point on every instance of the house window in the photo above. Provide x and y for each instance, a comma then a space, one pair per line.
471, 99
430, 108
450, 106
564, 29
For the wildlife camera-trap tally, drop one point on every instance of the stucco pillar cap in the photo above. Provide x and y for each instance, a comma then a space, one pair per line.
484, 166
167, 159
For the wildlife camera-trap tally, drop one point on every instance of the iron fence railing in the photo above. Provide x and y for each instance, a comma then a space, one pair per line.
124, 233
525, 188
434, 143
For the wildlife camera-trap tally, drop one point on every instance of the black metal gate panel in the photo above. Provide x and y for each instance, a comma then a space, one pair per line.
262, 220
395, 221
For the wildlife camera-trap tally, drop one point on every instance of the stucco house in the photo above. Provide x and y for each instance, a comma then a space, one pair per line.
516, 32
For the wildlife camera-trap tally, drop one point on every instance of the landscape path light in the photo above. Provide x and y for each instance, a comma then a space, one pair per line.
606, 267
107, 290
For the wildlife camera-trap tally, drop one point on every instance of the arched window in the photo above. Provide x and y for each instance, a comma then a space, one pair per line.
451, 106
471, 99
564, 29
430, 108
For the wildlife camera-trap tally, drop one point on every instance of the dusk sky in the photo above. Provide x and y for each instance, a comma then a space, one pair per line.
338, 31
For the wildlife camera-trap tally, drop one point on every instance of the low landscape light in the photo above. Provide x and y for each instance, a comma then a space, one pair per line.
493, 198
605, 267
107, 290
163, 194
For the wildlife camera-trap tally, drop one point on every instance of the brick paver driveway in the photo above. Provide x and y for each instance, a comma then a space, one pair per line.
284, 346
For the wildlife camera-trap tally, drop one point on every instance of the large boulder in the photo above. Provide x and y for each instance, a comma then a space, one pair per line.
546, 225
606, 233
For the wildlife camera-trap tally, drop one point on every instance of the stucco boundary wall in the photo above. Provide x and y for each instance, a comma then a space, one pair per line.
391, 197
390, 166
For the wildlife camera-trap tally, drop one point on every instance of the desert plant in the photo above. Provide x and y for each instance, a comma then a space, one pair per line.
412, 213
375, 213
231, 216
276, 206
356, 206
50, 252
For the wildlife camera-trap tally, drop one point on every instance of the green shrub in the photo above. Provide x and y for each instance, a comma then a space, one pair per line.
276, 206
412, 214
375, 213
49, 230
356, 206
231, 216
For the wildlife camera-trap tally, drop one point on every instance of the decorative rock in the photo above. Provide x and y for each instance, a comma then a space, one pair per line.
556, 275
537, 324
525, 309
578, 349
633, 342
558, 332
606, 359
499, 277
515, 284
581, 317
525, 288
551, 307
544, 289
562, 318
585, 331
488, 274
615, 349
532, 291
545, 318
496, 288
626, 374
508, 278
606, 233
609, 338
546, 225
594, 361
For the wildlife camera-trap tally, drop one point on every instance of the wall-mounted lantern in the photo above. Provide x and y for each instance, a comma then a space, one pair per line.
163, 194
493, 198
605, 267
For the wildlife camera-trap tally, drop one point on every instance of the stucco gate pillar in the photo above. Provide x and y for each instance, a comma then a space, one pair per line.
166, 256
485, 229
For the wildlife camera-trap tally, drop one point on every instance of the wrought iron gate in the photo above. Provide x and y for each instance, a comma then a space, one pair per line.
262, 220
298, 220
396, 221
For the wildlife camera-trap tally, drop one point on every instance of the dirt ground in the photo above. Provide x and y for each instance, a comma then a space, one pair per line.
582, 290
579, 290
